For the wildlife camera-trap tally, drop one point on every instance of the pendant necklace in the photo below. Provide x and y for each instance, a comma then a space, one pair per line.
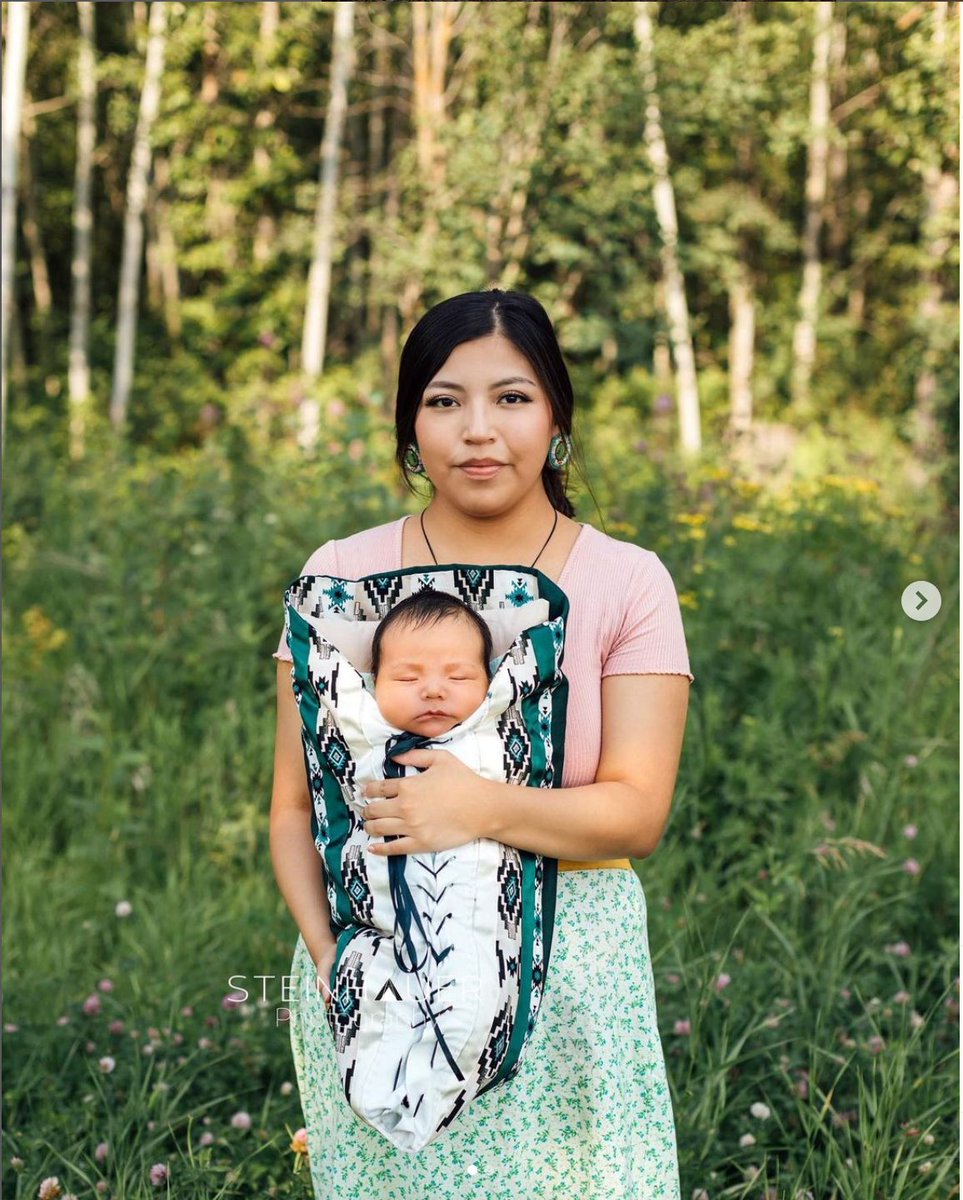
537, 556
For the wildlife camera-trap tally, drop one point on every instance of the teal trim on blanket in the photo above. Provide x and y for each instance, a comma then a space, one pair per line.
546, 744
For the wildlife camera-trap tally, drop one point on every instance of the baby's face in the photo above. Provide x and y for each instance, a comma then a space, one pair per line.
431, 677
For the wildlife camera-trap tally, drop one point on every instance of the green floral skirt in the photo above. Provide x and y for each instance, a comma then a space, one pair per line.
588, 1114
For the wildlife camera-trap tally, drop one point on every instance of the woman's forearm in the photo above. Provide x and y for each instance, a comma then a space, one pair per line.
597, 821
298, 870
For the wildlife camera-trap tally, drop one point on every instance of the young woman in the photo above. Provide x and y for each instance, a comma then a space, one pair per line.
484, 414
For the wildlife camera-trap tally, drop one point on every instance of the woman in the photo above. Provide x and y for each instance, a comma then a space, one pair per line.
589, 1113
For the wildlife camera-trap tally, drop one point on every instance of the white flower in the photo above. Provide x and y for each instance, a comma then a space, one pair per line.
747, 1140
760, 1110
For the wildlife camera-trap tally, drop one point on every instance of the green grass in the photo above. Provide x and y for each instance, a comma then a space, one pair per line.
141, 606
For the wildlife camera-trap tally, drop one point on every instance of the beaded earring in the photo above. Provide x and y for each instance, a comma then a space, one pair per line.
559, 442
413, 460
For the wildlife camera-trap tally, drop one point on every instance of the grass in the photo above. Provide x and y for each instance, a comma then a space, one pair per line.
804, 934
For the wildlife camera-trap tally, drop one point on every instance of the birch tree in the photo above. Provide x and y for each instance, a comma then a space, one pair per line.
663, 195
78, 375
14, 75
940, 189
319, 277
804, 335
137, 181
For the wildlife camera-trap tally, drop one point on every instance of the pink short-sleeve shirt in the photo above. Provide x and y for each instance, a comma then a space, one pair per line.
624, 619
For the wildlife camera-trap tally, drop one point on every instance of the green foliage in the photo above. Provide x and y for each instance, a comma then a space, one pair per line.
142, 602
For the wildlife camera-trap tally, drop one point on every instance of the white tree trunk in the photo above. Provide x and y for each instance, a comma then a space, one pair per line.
804, 336
319, 278
78, 378
14, 75
941, 189
742, 337
677, 311
130, 263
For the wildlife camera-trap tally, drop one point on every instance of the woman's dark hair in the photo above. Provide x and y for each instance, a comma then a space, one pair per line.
429, 607
514, 315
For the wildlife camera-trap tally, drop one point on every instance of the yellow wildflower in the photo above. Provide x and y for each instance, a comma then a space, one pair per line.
691, 518
42, 631
688, 600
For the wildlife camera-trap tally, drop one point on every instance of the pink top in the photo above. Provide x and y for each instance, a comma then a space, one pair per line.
624, 619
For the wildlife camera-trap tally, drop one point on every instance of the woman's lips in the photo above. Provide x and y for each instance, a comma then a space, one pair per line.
482, 472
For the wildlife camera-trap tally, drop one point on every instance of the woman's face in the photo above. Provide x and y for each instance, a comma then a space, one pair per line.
484, 402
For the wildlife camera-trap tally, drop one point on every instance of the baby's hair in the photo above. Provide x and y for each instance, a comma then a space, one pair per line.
428, 607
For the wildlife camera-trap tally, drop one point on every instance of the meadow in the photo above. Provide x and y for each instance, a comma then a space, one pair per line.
803, 904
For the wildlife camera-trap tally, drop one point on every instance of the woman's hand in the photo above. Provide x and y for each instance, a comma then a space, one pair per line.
323, 967
437, 809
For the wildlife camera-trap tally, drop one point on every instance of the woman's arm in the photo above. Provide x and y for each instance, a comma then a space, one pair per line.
623, 813
297, 864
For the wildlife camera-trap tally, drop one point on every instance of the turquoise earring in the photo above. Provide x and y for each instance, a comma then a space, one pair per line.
559, 442
413, 460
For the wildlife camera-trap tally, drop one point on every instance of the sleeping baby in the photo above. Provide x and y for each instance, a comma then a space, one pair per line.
431, 663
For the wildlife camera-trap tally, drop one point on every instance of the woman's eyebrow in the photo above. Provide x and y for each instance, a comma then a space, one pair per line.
456, 387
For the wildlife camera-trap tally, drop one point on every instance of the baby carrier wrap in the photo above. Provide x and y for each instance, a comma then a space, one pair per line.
441, 958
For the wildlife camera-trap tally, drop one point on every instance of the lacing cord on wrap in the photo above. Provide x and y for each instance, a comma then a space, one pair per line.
406, 910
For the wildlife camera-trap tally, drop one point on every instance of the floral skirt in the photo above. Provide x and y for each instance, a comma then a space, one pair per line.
589, 1112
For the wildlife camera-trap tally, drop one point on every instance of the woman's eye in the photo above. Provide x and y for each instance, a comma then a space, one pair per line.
435, 401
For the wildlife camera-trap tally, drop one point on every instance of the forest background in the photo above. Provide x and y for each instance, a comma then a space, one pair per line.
220, 222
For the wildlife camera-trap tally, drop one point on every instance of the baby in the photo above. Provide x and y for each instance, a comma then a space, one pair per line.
431, 663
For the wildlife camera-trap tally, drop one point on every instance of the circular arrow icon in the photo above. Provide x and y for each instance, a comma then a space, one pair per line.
921, 600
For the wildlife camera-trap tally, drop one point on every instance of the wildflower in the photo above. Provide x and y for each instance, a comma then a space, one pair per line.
900, 949
911, 867
17, 1163
63, 1020
106, 985
123, 908
159, 1174
92, 1005
700, 1194
107, 1064
299, 1143
722, 981
241, 1120
232, 1000
760, 1110
206, 1138
917, 1020
102, 1150
100, 1186
10, 1027
902, 997
204, 1043
910, 831
187, 1011
875, 1045
683, 1027
116, 1026
50, 1189
287, 1088
747, 1140
911, 761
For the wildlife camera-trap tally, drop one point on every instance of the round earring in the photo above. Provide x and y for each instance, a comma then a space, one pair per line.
412, 460
559, 443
